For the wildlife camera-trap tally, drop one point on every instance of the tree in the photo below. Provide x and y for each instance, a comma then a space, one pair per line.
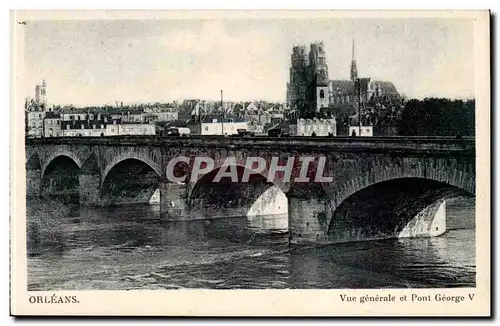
438, 117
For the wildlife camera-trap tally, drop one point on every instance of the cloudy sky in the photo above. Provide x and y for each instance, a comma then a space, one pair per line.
98, 62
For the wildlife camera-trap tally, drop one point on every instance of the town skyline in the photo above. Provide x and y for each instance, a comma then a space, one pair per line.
90, 63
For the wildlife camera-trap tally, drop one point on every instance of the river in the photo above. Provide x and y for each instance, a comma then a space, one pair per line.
127, 248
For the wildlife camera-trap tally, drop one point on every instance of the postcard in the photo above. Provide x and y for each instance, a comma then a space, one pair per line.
250, 163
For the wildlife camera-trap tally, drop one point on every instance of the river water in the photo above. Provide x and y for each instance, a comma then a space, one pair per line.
129, 248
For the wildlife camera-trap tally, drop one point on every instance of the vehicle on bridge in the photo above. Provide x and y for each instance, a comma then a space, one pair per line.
177, 131
243, 133
278, 132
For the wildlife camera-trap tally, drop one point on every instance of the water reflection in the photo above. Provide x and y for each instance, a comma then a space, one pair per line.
268, 223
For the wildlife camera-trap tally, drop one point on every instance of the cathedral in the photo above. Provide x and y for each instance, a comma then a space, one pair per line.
310, 91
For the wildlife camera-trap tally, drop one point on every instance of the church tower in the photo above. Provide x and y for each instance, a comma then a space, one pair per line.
43, 93
296, 90
354, 69
319, 96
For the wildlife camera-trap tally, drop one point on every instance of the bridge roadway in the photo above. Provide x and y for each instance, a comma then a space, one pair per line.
382, 187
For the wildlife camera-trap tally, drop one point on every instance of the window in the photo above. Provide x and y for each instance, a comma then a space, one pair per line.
322, 94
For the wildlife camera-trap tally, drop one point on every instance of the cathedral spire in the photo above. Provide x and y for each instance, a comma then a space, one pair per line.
353, 58
354, 69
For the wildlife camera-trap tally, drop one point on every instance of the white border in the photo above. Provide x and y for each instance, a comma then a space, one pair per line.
4, 137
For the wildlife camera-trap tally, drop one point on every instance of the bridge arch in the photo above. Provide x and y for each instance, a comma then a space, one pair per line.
388, 200
60, 178
129, 181
393, 208
152, 163
234, 199
462, 178
240, 164
382, 197
70, 154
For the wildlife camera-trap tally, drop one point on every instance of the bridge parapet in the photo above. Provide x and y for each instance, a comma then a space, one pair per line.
350, 144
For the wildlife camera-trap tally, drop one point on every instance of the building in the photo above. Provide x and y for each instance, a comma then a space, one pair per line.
255, 127
161, 112
52, 125
34, 122
217, 125
41, 94
68, 114
318, 127
296, 88
112, 129
309, 84
189, 108
100, 122
308, 87
100, 125
136, 129
101, 128
310, 92
35, 111
134, 116
222, 127
168, 115
256, 114
83, 128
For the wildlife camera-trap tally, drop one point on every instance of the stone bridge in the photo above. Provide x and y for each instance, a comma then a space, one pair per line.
378, 188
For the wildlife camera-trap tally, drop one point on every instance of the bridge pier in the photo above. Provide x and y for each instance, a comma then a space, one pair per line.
33, 183
308, 219
429, 222
89, 189
173, 201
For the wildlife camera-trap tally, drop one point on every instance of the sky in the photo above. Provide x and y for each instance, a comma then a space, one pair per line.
97, 62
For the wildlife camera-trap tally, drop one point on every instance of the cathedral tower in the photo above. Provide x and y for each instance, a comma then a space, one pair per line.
318, 71
43, 93
296, 91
